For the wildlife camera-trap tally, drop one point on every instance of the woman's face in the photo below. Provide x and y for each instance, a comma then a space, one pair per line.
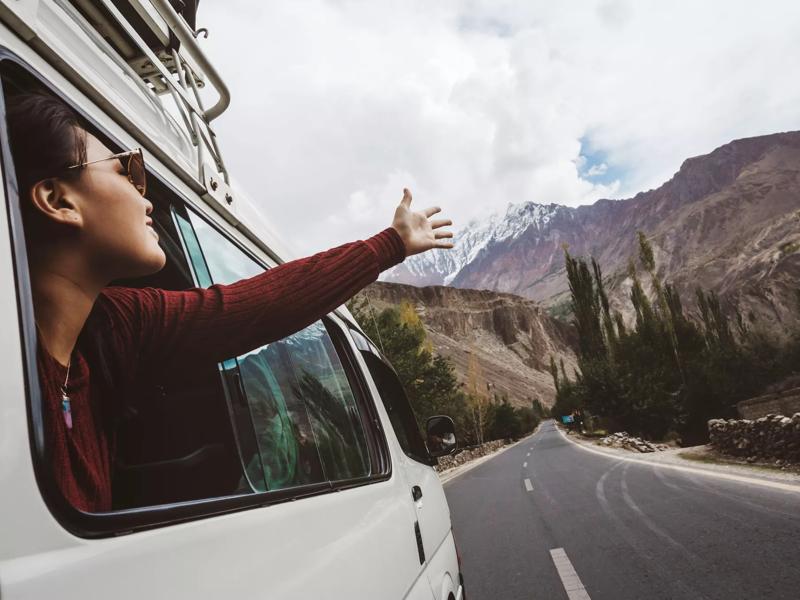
115, 223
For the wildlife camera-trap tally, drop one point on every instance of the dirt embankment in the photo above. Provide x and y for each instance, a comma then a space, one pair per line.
511, 338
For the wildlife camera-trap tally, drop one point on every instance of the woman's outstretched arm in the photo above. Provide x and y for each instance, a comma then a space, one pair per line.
224, 321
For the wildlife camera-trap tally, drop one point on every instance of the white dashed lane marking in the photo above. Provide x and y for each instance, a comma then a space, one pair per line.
528, 485
569, 578
524, 465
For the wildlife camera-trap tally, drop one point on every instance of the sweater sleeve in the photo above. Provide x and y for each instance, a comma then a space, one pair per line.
154, 327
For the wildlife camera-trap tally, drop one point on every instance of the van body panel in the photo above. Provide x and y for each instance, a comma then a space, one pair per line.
442, 570
344, 545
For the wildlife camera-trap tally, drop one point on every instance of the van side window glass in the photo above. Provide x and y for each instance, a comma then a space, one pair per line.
331, 404
225, 261
306, 421
396, 403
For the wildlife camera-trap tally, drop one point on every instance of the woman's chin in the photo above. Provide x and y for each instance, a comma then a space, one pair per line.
154, 263
160, 260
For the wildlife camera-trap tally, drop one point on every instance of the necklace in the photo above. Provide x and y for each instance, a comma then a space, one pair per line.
66, 407
66, 403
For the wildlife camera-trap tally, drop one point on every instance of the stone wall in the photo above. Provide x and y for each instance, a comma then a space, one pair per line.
770, 437
468, 454
785, 402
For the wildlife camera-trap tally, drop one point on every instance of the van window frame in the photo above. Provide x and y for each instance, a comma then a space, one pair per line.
380, 457
405, 410
127, 521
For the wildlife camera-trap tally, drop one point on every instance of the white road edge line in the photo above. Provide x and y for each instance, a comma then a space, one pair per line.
776, 485
451, 474
569, 578
528, 485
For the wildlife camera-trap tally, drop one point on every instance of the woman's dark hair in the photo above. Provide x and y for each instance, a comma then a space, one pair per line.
47, 137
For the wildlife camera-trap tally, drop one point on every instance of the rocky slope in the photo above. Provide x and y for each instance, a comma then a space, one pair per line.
729, 221
511, 337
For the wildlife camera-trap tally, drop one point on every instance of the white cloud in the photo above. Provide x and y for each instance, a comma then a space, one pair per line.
337, 105
597, 170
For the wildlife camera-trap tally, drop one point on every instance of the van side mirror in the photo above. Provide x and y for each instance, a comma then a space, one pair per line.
441, 436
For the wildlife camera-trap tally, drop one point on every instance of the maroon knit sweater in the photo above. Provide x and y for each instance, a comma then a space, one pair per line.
151, 327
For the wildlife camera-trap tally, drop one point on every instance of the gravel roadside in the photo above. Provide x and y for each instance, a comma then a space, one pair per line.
703, 458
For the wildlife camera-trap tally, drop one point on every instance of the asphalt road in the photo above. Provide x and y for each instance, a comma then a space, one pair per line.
629, 531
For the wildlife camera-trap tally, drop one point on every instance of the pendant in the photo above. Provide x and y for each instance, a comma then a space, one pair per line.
66, 409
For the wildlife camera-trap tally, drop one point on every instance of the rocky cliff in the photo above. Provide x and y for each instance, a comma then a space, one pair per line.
729, 221
510, 337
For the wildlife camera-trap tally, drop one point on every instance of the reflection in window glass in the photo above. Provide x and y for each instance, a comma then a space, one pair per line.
301, 406
287, 451
397, 406
226, 262
330, 402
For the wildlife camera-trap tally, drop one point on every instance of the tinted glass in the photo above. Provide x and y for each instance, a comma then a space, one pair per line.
331, 405
397, 406
305, 417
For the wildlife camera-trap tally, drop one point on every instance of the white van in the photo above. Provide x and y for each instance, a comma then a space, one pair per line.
238, 481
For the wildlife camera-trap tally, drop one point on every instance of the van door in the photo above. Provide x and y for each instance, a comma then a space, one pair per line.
425, 492
432, 512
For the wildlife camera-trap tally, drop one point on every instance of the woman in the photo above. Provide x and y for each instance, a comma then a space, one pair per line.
87, 224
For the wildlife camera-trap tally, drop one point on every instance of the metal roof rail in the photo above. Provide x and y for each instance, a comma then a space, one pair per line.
185, 90
150, 42
187, 38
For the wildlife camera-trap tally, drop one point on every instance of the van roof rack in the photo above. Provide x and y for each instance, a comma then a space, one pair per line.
153, 42
161, 48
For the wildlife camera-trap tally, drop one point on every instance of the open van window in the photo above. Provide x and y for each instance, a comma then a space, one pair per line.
159, 459
284, 421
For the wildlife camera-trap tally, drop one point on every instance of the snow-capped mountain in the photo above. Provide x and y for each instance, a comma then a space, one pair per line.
441, 267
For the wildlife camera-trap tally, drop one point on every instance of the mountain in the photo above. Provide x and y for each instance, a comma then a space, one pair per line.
442, 267
510, 337
728, 220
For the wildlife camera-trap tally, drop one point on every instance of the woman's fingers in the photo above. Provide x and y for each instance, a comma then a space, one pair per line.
441, 223
415, 227
406, 201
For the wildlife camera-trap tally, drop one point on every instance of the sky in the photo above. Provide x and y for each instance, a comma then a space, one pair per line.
474, 104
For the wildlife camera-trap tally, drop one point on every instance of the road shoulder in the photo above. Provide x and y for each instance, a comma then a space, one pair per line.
671, 459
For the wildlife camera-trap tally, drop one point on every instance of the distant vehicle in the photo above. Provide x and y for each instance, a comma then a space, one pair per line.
295, 471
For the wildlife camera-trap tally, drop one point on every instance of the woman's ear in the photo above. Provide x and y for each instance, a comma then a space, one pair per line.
52, 201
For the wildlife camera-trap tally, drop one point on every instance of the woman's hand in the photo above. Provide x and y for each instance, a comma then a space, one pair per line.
419, 234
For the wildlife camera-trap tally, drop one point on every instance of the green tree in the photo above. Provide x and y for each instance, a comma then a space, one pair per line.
429, 380
667, 372
506, 423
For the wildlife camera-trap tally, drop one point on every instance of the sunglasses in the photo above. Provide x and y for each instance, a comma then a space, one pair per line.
134, 167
